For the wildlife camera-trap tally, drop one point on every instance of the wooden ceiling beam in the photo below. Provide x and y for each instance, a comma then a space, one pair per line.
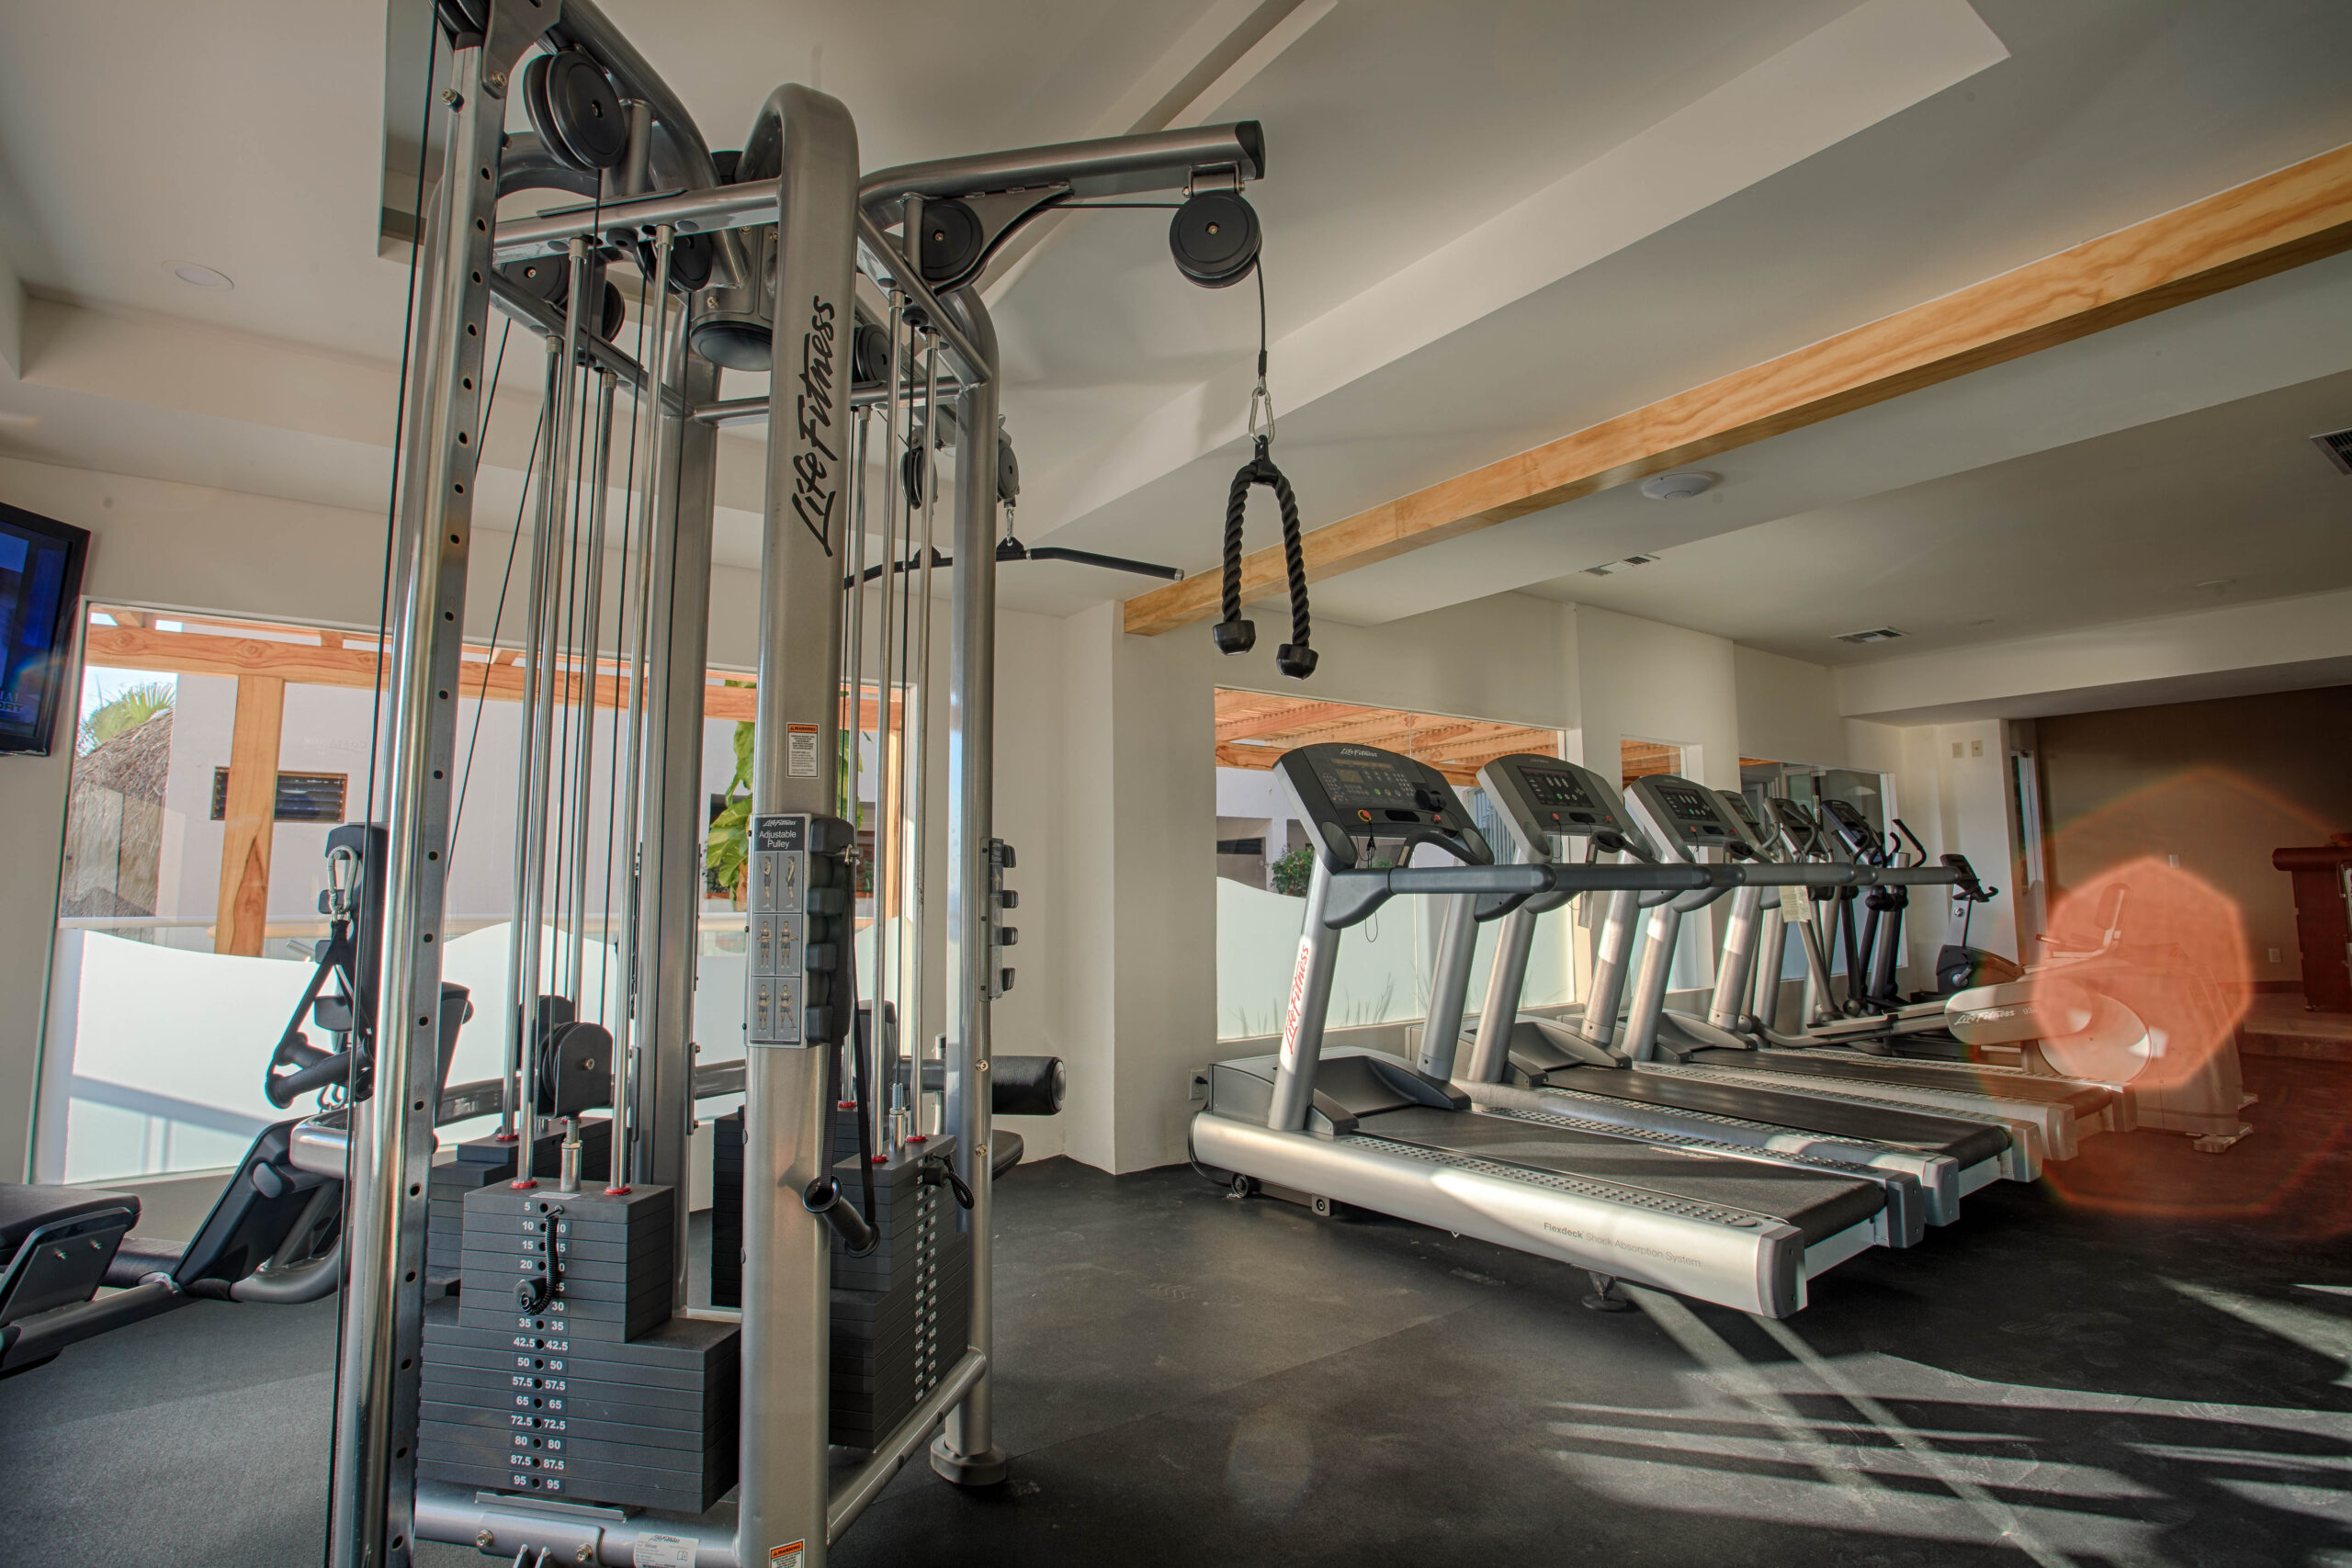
483, 675
2283, 220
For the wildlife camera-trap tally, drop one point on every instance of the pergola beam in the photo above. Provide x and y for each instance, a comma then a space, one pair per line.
487, 673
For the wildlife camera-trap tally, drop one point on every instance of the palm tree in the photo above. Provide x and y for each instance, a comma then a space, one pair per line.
124, 712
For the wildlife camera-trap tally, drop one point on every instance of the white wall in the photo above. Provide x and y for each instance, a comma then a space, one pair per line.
1142, 799
1644, 680
1959, 804
1787, 709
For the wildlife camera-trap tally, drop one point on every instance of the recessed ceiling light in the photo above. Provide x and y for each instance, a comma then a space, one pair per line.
1986, 622
2218, 583
198, 275
1876, 634
1678, 486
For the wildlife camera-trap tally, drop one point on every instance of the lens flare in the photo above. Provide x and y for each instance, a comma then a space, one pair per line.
2150, 966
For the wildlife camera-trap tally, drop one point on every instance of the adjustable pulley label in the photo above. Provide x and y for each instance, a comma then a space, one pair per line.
778, 903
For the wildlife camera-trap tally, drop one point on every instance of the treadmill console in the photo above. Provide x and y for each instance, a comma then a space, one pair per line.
1361, 794
1742, 811
1861, 839
1542, 798
1686, 814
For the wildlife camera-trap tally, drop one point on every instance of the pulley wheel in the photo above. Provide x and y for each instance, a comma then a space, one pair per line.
464, 16
951, 241
869, 359
573, 109
535, 107
548, 277
585, 111
1215, 239
689, 261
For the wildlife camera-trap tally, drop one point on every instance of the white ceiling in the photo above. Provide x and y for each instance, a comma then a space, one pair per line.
247, 136
2223, 506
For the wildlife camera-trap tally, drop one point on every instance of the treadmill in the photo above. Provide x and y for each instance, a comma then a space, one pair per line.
1366, 1128
1688, 820
1553, 1063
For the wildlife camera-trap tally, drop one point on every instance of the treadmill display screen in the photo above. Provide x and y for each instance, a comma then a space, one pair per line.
1366, 784
1688, 805
1747, 814
1559, 790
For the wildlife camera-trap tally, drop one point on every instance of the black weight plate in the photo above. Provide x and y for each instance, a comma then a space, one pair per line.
615, 315
535, 106
950, 240
1215, 239
585, 111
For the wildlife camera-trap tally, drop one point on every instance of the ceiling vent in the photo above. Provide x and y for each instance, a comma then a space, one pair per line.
2337, 447
1618, 565
1876, 634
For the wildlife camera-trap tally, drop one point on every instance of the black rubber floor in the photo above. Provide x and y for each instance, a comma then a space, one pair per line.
2141, 1360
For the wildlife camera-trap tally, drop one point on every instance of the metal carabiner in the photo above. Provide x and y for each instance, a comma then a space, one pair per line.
1262, 412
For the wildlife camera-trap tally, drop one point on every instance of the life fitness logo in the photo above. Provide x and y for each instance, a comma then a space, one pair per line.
1297, 997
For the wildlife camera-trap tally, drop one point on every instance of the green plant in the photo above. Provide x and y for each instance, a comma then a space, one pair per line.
729, 847
124, 712
1291, 870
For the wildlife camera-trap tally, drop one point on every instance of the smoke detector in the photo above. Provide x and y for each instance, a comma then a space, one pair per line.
1876, 634
1678, 486
2337, 447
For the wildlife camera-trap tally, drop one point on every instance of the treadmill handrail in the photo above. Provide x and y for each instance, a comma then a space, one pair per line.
1356, 896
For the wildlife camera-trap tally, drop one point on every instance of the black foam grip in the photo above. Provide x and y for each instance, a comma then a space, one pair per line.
1026, 1085
283, 1089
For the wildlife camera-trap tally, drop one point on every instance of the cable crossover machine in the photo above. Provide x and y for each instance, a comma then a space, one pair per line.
518, 1368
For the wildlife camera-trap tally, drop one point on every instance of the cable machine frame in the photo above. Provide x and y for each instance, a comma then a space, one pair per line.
833, 225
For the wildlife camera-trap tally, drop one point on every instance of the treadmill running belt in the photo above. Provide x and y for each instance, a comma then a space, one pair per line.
1817, 1204
2086, 1101
1968, 1143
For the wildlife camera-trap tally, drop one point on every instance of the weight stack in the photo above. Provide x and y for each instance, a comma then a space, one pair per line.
901, 1316
727, 1210
478, 1163
560, 1369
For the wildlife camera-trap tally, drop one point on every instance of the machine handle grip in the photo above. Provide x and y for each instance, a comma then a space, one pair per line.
824, 1198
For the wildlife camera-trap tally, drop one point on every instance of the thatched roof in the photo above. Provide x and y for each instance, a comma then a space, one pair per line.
133, 763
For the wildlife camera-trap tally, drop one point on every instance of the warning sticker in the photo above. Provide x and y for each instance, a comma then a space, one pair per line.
1298, 995
665, 1552
800, 751
788, 1555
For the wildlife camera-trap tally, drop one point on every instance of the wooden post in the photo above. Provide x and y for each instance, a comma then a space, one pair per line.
249, 816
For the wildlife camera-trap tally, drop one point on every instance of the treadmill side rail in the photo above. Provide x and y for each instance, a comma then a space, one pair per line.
1735, 1259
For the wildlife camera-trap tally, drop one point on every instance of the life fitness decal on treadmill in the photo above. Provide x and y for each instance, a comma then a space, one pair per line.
1298, 995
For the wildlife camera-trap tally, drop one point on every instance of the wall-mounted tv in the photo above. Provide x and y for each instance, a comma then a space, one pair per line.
40, 584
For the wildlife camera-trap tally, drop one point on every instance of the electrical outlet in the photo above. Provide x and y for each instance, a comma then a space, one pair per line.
1976, 748
1197, 1085
2274, 956
1955, 751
